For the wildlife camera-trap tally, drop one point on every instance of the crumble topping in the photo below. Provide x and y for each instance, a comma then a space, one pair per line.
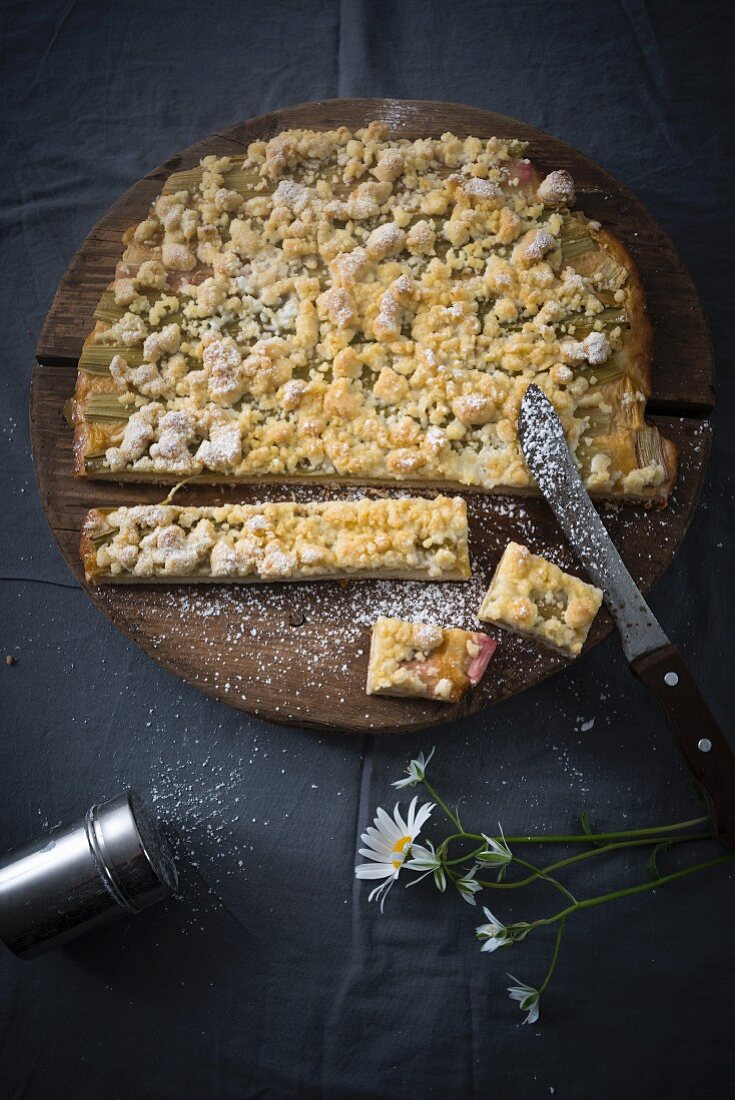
363, 307
533, 597
424, 660
594, 349
557, 187
412, 537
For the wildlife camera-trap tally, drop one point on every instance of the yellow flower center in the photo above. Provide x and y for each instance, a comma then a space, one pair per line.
400, 846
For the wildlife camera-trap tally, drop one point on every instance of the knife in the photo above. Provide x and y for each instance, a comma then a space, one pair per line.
651, 656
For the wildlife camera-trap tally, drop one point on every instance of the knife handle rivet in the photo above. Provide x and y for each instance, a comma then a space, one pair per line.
671, 680
704, 745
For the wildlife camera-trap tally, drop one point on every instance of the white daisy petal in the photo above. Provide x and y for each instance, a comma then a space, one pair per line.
403, 826
379, 857
383, 888
379, 843
375, 841
387, 826
422, 817
368, 870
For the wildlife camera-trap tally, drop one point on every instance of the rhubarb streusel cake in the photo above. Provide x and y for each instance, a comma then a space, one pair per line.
352, 307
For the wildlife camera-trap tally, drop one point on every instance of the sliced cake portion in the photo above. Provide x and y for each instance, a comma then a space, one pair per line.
425, 661
536, 599
412, 538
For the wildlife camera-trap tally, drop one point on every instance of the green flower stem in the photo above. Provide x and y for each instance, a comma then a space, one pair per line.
590, 903
462, 836
651, 836
583, 838
463, 859
573, 838
554, 959
538, 873
452, 816
588, 855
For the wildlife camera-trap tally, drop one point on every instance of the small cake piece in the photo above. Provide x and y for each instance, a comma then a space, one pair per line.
536, 599
411, 538
425, 661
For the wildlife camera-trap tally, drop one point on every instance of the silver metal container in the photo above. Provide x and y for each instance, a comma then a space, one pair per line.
115, 860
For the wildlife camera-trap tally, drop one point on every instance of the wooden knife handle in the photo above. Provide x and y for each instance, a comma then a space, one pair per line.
697, 735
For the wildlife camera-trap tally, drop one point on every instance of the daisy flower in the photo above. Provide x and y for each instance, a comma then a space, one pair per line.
387, 844
527, 998
416, 771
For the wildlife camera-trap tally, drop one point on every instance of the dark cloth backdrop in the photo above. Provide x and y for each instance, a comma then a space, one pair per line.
292, 985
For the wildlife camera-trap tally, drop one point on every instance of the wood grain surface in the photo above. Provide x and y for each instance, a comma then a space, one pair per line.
298, 653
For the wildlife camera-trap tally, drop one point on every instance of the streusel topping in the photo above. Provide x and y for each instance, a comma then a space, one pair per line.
338, 303
285, 541
534, 597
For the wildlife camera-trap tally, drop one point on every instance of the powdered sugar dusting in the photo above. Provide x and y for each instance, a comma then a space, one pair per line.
293, 642
298, 652
550, 461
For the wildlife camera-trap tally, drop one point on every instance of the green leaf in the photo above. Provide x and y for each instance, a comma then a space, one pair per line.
584, 820
651, 863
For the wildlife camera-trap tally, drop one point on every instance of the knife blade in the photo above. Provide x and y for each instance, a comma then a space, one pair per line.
550, 461
651, 656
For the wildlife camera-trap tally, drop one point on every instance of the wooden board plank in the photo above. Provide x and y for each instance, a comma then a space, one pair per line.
297, 653
683, 366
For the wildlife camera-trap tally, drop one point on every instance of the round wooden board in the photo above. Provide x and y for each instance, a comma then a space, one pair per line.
297, 653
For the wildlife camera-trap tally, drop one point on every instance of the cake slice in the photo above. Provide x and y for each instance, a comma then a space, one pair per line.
425, 661
411, 538
536, 599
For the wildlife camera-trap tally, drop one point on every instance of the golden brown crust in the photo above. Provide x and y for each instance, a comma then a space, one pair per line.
670, 457
354, 411
88, 384
95, 525
407, 538
638, 341
646, 498
91, 437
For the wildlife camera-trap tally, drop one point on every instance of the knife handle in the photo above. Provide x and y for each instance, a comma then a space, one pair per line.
697, 735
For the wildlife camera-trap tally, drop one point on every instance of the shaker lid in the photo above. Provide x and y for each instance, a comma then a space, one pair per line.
132, 851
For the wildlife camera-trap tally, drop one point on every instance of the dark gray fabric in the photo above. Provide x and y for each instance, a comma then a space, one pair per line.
294, 986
